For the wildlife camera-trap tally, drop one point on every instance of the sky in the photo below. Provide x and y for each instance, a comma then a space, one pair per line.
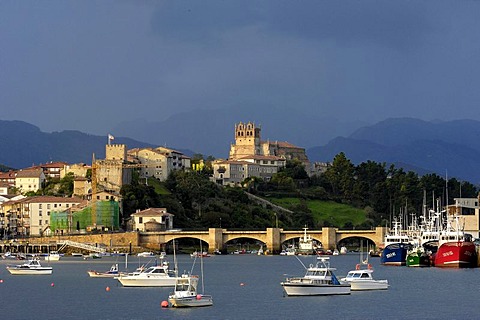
90, 65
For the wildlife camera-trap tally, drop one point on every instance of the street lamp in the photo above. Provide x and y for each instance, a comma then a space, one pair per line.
276, 220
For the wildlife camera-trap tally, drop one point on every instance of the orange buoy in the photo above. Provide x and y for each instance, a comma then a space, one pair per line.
199, 297
164, 304
52, 284
107, 289
357, 267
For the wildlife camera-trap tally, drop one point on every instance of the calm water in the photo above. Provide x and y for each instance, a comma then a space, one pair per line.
427, 293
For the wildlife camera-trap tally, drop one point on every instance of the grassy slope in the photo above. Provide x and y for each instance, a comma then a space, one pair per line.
159, 188
335, 213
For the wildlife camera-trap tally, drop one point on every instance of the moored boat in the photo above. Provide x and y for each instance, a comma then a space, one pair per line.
186, 295
52, 256
396, 247
455, 248
32, 266
362, 279
319, 279
113, 272
154, 276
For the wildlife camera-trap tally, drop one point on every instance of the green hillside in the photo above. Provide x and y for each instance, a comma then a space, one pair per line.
326, 212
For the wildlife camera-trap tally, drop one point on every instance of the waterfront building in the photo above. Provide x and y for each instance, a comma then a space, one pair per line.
30, 216
152, 219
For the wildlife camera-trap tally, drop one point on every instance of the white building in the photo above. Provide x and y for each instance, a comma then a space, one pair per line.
152, 219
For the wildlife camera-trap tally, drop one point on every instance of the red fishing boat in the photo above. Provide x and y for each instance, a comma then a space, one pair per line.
455, 248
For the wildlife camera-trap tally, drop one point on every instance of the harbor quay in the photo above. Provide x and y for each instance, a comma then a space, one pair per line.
216, 239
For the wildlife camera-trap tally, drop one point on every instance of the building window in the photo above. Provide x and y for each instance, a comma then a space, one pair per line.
140, 220
40, 222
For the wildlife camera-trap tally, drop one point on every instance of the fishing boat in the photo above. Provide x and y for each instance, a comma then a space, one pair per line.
456, 249
113, 272
305, 244
396, 246
32, 266
319, 279
154, 276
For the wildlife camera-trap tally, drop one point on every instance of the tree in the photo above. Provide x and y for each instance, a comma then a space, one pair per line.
340, 175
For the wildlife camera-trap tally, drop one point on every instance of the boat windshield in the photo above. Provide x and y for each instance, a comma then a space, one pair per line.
315, 273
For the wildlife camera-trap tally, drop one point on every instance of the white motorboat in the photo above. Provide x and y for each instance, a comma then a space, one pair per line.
154, 276
32, 266
113, 272
318, 280
186, 290
52, 256
362, 279
146, 254
186, 295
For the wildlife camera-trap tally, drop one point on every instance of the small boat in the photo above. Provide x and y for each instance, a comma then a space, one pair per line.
185, 294
217, 252
77, 254
32, 266
92, 256
52, 256
362, 279
154, 276
199, 254
146, 254
318, 280
186, 291
343, 250
113, 272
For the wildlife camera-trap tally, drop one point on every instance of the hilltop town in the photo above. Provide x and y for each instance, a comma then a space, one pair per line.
95, 202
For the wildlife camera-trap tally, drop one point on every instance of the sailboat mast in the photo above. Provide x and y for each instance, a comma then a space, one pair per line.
201, 266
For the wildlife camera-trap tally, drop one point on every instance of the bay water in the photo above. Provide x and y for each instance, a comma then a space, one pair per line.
243, 287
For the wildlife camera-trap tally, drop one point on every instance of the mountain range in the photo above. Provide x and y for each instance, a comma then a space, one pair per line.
443, 147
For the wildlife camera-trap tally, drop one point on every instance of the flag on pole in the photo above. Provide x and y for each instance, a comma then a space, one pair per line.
110, 138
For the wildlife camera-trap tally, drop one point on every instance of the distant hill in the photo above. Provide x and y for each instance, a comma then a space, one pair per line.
210, 132
451, 147
23, 145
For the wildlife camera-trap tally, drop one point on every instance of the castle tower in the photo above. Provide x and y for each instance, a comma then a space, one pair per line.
116, 152
247, 141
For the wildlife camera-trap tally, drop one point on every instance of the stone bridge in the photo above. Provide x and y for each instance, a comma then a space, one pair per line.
273, 238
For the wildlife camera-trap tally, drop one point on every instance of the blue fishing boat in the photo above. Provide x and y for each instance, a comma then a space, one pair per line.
396, 247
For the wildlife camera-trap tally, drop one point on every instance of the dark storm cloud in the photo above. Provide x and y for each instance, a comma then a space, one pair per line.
119, 60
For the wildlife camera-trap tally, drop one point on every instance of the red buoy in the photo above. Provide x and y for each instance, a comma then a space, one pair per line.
164, 304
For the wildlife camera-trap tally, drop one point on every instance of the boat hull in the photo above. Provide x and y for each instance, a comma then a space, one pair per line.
456, 254
363, 285
418, 259
395, 254
304, 289
191, 301
146, 282
25, 271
